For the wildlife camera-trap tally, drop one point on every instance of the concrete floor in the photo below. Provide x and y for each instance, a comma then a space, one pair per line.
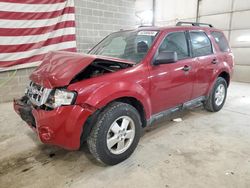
204, 150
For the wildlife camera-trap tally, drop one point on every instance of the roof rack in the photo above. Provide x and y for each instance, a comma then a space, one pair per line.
193, 24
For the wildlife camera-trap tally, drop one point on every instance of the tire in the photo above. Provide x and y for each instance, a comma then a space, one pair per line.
106, 129
213, 103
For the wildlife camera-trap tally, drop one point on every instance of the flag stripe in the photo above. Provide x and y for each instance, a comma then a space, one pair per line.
17, 55
33, 15
35, 31
17, 40
31, 59
35, 23
22, 7
31, 46
29, 29
21, 66
23, 60
33, 1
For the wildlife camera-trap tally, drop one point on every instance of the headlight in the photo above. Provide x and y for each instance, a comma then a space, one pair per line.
61, 97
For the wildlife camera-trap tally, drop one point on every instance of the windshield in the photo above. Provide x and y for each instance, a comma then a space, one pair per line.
129, 45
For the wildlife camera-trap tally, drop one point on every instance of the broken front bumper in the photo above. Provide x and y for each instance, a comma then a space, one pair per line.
61, 126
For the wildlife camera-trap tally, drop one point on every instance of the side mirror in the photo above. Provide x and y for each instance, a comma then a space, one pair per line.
165, 57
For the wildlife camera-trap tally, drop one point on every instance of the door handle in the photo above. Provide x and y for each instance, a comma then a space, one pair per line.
214, 61
186, 68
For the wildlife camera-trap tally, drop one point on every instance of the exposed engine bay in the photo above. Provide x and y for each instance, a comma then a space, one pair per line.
100, 67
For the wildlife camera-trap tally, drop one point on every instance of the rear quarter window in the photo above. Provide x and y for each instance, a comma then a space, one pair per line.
221, 41
201, 44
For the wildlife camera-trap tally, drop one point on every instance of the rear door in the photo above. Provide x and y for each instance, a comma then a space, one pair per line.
171, 84
205, 62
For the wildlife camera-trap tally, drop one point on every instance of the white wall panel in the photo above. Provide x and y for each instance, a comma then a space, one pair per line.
241, 73
174, 21
241, 5
208, 7
220, 21
169, 10
188, 20
240, 20
142, 5
240, 38
242, 56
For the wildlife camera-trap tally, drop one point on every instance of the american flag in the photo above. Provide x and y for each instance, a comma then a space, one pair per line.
31, 28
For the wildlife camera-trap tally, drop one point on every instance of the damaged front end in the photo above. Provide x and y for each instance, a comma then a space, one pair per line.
49, 107
49, 82
61, 126
100, 67
24, 110
60, 68
58, 123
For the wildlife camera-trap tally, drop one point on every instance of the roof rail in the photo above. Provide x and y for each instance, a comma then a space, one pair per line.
193, 24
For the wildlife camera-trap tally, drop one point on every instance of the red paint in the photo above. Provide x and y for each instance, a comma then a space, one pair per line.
37, 45
59, 68
62, 131
35, 15
36, 2
31, 59
54, 127
35, 31
157, 88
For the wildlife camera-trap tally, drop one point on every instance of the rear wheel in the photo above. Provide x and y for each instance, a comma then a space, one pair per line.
116, 133
217, 97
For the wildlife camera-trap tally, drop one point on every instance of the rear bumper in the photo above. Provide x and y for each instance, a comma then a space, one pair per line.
62, 126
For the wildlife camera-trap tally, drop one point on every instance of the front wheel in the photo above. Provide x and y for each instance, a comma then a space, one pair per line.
116, 133
217, 97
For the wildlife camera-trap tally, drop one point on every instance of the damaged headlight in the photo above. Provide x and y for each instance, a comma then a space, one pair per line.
61, 97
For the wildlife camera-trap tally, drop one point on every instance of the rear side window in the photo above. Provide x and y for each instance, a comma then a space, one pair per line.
201, 45
221, 41
176, 42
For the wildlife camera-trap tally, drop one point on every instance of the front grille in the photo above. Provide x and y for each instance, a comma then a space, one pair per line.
37, 94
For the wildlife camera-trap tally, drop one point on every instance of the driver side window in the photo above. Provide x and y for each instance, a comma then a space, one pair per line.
176, 42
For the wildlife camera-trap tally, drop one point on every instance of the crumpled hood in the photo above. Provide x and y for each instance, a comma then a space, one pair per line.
59, 68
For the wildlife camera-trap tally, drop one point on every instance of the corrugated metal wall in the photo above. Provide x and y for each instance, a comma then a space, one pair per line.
168, 12
232, 16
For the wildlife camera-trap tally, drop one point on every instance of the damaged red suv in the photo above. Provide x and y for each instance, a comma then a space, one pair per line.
130, 80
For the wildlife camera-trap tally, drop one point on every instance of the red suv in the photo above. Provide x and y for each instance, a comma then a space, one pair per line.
128, 81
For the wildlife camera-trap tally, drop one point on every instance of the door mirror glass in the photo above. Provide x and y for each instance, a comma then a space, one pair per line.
165, 57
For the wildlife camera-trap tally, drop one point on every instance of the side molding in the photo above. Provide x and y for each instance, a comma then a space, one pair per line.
169, 112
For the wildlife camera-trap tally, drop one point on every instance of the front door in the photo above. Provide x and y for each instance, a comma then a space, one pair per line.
171, 84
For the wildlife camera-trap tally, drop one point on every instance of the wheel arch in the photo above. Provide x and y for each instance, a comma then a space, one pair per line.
226, 76
137, 105
123, 91
133, 101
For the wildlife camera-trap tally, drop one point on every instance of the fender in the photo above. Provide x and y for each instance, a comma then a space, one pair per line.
223, 67
112, 91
